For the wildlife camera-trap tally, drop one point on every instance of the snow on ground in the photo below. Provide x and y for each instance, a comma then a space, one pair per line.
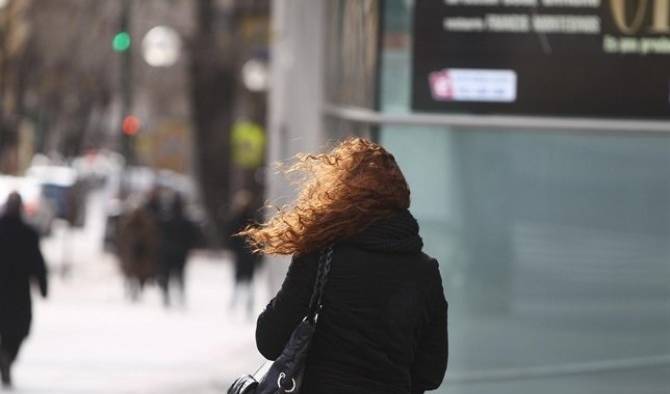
88, 338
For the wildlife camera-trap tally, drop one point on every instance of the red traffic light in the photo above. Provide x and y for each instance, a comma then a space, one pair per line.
131, 125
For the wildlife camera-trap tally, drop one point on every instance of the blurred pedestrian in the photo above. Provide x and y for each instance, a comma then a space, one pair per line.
138, 248
382, 322
177, 238
21, 264
153, 205
244, 213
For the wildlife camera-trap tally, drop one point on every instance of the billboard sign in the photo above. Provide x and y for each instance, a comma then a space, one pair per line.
573, 58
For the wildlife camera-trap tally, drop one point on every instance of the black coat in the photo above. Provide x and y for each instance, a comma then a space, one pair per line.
245, 260
384, 324
178, 236
20, 262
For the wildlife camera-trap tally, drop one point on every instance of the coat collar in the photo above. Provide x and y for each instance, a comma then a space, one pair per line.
398, 233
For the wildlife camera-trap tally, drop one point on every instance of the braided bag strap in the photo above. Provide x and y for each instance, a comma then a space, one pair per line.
315, 302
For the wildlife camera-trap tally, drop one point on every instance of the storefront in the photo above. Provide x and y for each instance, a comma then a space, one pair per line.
550, 216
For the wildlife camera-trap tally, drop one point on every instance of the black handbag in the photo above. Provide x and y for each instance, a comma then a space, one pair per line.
285, 373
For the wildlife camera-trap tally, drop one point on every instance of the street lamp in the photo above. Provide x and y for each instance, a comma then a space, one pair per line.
161, 46
255, 75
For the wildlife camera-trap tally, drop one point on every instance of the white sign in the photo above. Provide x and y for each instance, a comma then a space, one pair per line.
482, 85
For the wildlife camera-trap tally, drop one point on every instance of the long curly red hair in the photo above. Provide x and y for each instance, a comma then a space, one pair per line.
341, 192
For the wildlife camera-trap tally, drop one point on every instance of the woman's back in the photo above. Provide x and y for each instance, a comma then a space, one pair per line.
383, 328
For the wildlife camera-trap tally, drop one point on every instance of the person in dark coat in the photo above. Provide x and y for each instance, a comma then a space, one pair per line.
243, 214
21, 264
138, 235
383, 327
177, 238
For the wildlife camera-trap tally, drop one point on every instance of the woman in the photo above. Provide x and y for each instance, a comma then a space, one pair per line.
383, 328
243, 213
138, 247
177, 236
21, 264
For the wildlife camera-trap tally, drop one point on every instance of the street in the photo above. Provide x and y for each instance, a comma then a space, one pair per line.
88, 338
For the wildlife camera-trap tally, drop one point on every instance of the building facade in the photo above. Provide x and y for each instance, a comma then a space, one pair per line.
552, 233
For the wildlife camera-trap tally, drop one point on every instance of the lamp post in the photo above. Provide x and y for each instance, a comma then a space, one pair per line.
3, 51
122, 43
3, 74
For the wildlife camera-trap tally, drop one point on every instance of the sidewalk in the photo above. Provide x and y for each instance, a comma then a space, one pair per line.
87, 338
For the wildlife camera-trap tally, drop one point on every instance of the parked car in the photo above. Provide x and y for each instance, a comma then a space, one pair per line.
61, 186
38, 210
95, 166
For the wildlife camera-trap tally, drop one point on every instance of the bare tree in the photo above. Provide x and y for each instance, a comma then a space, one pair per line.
218, 49
70, 67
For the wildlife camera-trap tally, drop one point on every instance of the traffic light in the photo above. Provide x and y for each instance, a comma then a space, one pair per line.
121, 41
131, 125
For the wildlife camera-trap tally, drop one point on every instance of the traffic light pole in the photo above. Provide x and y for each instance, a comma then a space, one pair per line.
127, 141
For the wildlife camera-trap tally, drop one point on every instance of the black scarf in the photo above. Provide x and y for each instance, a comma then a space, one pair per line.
398, 233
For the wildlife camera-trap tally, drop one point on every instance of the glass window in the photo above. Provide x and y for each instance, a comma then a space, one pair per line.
553, 245
351, 52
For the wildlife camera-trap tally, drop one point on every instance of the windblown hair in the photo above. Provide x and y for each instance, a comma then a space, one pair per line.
341, 192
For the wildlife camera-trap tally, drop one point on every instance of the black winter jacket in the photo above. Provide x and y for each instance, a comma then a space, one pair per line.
383, 328
20, 263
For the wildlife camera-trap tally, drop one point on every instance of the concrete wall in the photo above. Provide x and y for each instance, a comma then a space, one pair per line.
295, 122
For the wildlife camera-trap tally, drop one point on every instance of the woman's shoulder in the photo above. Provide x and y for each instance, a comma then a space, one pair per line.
430, 262
311, 258
304, 264
417, 262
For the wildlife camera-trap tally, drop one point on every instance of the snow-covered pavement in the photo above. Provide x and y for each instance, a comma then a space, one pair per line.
87, 338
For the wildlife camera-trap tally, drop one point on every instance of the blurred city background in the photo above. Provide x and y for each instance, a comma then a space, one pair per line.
533, 134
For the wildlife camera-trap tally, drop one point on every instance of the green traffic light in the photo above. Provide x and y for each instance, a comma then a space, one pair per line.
121, 41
